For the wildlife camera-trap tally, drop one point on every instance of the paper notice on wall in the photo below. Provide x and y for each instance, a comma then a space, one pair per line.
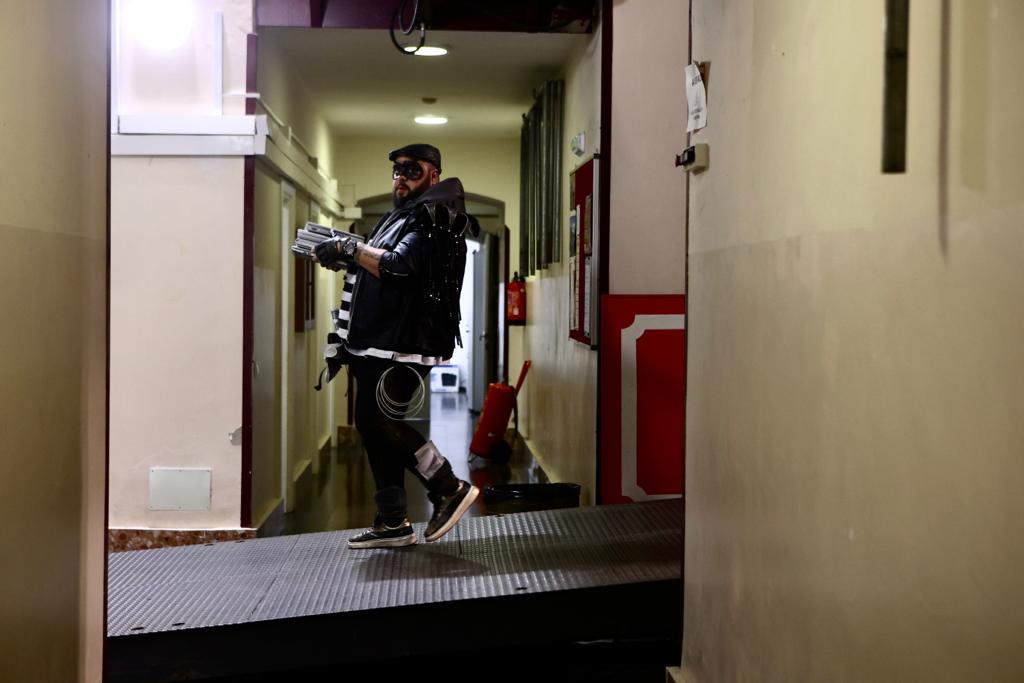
696, 100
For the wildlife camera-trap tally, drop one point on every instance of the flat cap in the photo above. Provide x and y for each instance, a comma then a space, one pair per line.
420, 151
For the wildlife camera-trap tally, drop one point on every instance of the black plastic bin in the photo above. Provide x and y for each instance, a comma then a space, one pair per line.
508, 498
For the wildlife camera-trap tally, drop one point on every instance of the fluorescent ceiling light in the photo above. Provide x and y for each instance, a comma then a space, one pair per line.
160, 24
431, 120
427, 51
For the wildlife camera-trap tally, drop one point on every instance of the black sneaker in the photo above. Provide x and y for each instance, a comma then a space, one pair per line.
380, 535
449, 509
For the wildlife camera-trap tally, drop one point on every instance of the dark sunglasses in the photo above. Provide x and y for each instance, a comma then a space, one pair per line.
410, 170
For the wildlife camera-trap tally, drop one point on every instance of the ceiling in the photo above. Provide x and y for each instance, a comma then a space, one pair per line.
364, 86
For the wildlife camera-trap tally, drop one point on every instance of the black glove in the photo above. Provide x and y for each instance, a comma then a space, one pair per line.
335, 253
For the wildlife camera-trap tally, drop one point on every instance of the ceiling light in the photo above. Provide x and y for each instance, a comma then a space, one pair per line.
431, 120
427, 51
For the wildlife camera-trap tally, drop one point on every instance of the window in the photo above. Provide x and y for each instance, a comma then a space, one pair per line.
540, 181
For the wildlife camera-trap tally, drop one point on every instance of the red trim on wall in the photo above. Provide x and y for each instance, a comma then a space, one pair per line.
284, 13
656, 400
106, 418
359, 15
317, 9
248, 264
604, 202
248, 246
569, 16
506, 248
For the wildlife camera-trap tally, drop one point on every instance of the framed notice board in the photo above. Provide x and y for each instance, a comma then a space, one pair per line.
584, 250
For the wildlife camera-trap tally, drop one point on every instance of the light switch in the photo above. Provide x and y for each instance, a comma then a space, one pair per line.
694, 159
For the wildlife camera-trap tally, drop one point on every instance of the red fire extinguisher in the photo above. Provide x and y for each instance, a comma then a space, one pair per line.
489, 437
517, 300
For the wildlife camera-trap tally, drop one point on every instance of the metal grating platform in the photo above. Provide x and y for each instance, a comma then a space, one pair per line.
172, 597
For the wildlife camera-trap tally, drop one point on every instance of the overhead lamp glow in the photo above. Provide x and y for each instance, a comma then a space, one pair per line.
427, 51
160, 24
431, 120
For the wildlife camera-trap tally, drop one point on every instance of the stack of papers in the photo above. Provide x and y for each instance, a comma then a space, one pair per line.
312, 234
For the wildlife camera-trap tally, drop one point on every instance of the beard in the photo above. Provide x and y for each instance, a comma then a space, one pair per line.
400, 202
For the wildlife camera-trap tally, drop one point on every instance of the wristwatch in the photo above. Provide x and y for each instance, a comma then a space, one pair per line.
348, 249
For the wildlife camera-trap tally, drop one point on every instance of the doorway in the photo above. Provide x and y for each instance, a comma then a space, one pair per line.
359, 98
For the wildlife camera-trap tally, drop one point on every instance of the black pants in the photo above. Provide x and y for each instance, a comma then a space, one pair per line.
390, 443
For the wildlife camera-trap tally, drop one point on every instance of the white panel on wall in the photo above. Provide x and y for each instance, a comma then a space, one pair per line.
180, 488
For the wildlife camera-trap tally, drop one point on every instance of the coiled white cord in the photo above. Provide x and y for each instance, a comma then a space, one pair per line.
396, 410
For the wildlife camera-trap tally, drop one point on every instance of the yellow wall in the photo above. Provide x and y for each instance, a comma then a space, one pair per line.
328, 295
305, 404
558, 406
856, 391
282, 88
310, 422
53, 133
266, 428
487, 166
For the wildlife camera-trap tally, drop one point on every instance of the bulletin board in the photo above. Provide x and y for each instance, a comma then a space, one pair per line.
584, 247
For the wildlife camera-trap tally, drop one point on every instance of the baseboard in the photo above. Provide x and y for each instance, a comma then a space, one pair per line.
301, 468
120, 540
324, 456
273, 522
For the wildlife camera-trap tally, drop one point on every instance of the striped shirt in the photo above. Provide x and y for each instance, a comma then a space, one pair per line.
343, 315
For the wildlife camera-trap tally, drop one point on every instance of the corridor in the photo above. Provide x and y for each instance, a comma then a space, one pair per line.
763, 258
341, 496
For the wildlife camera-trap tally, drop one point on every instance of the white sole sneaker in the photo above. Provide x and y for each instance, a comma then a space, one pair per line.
399, 542
466, 503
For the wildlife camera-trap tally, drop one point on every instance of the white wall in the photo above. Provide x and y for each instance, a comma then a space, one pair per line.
53, 137
856, 392
176, 277
647, 223
180, 80
176, 332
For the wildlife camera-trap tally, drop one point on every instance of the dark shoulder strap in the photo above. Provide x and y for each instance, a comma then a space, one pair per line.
382, 221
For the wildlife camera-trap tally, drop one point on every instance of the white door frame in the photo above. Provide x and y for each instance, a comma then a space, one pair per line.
479, 340
287, 282
316, 215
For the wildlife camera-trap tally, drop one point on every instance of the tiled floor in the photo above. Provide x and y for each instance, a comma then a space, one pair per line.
341, 495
